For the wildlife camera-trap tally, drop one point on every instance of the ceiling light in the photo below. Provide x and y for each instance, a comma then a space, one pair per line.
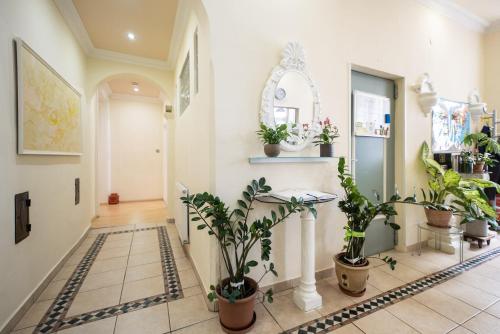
135, 86
131, 36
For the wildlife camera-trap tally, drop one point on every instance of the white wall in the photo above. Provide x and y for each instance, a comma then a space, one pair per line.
401, 37
56, 222
132, 131
194, 133
491, 93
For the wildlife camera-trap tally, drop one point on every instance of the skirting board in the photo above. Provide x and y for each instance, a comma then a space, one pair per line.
31, 299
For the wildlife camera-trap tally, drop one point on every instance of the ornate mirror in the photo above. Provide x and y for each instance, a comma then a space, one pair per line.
291, 97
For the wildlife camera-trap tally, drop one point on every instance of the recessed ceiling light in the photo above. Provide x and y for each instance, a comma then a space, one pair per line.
131, 36
135, 86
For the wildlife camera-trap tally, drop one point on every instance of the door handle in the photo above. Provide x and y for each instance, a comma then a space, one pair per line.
376, 195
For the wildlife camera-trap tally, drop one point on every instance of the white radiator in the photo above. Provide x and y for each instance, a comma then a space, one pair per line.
181, 213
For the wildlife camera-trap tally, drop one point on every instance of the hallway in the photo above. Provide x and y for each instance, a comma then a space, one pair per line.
131, 275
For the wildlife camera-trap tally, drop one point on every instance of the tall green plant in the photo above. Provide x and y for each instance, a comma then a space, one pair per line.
237, 236
360, 213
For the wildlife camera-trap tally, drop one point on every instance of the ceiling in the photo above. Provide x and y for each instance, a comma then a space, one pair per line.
488, 10
101, 27
122, 85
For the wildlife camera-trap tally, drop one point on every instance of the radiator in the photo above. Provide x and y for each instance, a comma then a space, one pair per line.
182, 213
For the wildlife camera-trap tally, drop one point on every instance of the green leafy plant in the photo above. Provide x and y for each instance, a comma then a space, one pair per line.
328, 133
486, 158
482, 140
269, 135
237, 236
360, 213
466, 196
467, 157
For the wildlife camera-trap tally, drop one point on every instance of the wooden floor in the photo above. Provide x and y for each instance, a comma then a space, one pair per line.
149, 212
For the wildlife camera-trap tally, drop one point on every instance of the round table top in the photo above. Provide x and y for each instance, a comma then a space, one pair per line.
274, 200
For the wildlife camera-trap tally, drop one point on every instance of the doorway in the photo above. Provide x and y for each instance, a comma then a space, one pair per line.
373, 160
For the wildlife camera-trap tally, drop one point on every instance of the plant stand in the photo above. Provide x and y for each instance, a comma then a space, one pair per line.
480, 240
305, 295
442, 237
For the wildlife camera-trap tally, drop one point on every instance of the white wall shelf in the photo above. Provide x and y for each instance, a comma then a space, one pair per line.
281, 160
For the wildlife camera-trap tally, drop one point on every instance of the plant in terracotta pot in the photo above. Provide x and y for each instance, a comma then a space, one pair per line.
272, 137
481, 160
351, 266
489, 146
236, 237
451, 194
326, 137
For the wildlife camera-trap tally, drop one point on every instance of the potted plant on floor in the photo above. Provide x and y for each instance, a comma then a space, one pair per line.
326, 137
450, 194
272, 137
237, 237
351, 266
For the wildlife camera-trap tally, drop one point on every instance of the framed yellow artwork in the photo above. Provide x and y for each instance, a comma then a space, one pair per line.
48, 108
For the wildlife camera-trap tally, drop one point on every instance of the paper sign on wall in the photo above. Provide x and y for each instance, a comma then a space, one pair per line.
372, 115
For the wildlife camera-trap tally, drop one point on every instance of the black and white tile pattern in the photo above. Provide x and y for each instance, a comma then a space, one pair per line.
347, 315
55, 318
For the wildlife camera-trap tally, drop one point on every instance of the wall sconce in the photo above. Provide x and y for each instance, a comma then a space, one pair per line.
428, 97
476, 107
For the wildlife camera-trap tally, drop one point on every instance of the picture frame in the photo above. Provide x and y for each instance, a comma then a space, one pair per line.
49, 108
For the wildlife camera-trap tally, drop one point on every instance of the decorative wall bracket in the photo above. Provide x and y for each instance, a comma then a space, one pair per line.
476, 107
428, 97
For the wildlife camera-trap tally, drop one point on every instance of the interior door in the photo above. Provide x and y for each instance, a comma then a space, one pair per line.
373, 161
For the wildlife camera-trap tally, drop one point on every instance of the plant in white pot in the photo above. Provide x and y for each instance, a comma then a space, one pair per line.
351, 266
272, 137
236, 237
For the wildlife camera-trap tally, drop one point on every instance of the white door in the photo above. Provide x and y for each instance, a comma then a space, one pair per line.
136, 157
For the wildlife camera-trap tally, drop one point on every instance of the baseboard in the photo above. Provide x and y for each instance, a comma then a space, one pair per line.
33, 296
294, 282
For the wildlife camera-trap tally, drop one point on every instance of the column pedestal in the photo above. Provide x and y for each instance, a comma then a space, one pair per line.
305, 295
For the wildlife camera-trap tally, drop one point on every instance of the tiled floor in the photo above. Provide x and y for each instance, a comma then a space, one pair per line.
130, 267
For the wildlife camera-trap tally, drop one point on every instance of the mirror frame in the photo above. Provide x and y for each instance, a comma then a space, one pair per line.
293, 60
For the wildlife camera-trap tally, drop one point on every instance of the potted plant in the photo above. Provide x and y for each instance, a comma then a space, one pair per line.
325, 138
236, 238
450, 194
272, 137
351, 266
466, 162
481, 160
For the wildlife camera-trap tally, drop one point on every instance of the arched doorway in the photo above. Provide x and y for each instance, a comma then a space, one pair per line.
131, 139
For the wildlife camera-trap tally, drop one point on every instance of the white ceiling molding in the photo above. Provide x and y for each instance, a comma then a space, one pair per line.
180, 25
135, 98
458, 13
74, 22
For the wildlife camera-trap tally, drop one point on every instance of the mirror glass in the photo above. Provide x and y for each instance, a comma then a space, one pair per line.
294, 106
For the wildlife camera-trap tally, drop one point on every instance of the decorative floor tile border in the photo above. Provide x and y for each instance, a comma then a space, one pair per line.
55, 317
354, 312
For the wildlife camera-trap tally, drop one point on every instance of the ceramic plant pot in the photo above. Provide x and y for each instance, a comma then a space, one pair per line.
326, 150
478, 167
238, 317
352, 279
438, 218
272, 150
477, 228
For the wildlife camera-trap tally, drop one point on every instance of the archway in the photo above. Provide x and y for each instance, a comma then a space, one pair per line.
131, 138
